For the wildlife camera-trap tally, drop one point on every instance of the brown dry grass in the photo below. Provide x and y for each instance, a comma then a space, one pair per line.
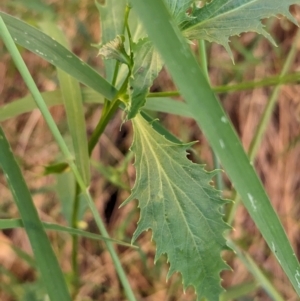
277, 164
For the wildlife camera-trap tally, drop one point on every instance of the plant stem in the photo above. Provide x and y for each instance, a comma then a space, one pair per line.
105, 118
203, 58
257, 273
204, 65
21, 66
266, 82
127, 28
74, 221
271, 103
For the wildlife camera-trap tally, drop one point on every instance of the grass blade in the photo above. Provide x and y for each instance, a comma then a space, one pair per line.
213, 121
71, 95
18, 223
256, 272
53, 98
239, 291
57, 55
9, 43
47, 263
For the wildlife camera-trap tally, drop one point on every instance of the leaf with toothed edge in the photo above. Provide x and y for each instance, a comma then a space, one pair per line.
221, 19
146, 67
178, 9
181, 207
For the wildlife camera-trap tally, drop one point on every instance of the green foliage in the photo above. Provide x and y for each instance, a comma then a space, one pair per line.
220, 19
176, 198
56, 54
115, 50
178, 9
181, 207
18, 223
147, 65
111, 27
46, 260
72, 100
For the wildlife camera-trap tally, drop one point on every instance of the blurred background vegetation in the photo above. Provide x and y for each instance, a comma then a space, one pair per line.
277, 162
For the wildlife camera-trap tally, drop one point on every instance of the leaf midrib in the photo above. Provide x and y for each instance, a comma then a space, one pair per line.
168, 181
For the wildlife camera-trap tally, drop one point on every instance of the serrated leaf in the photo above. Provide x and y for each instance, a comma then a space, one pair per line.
178, 9
147, 65
115, 50
220, 19
181, 207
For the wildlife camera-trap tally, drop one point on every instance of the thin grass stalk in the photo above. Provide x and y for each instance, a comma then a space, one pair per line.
75, 242
72, 100
8, 41
266, 82
18, 223
239, 291
261, 129
204, 65
264, 121
47, 262
256, 272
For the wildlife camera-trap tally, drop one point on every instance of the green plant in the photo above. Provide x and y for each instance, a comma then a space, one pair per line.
175, 196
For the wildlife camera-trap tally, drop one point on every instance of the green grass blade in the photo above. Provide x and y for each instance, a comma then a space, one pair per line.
53, 98
291, 78
57, 55
71, 95
257, 273
238, 291
168, 105
267, 114
213, 121
65, 188
47, 263
26, 257
18, 223
27, 104
9, 43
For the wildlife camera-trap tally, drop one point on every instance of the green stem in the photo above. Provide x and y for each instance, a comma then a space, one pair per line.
21, 66
126, 25
259, 276
261, 129
203, 58
110, 107
116, 73
74, 221
109, 245
105, 118
266, 82
204, 65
